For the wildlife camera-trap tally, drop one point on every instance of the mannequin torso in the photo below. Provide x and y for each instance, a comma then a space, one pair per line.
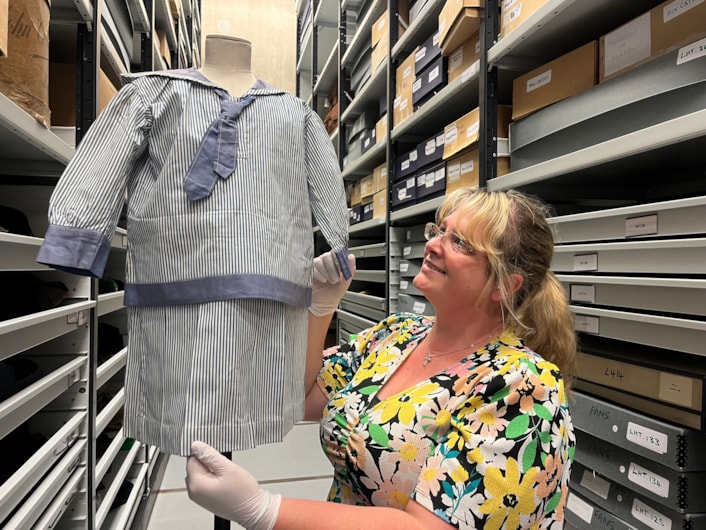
227, 63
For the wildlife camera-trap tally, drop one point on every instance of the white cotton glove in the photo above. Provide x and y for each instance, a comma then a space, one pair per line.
328, 286
229, 491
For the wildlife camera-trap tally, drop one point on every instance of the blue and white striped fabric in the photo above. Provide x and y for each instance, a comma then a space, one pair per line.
196, 268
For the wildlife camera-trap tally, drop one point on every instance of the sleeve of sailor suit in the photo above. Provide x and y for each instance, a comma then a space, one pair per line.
326, 191
85, 206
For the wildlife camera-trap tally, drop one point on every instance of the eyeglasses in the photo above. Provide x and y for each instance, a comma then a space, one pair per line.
431, 231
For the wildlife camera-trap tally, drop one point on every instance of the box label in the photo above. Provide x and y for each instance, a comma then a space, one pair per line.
451, 135
691, 52
587, 324
583, 293
677, 8
417, 85
627, 45
456, 60
580, 507
650, 517
513, 15
644, 225
472, 129
648, 480
404, 284
467, 167
420, 54
675, 389
595, 484
430, 147
434, 73
404, 267
586, 262
539, 81
419, 307
454, 172
647, 438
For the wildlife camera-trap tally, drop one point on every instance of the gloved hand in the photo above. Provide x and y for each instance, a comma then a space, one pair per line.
229, 491
328, 286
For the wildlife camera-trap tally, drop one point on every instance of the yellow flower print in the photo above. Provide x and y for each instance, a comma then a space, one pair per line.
510, 337
508, 498
459, 475
404, 405
511, 359
459, 436
334, 378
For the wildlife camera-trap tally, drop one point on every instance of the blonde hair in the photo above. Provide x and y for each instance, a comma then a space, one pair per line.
511, 230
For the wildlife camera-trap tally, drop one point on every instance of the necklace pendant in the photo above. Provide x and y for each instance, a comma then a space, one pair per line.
427, 359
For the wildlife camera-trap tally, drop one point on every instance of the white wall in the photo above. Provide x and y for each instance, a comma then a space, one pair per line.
271, 26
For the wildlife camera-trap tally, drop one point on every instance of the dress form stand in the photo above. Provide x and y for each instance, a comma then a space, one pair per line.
227, 63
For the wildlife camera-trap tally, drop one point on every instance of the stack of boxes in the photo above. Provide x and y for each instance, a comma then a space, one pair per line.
430, 71
368, 197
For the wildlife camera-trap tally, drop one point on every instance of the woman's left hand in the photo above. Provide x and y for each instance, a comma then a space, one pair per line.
227, 490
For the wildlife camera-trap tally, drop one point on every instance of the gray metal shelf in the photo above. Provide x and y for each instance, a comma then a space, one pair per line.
652, 94
423, 208
328, 77
559, 26
644, 142
164, 22
426, 23
373, 225
72, 11
681, 217
362, 35
364, 164
327, 13
368, 95
454, 100
369, 251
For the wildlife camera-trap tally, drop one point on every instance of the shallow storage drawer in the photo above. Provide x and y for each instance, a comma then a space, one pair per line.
369, 251
674, 256
581, 512
681, 491
629, 506
407, 303
668, 295
668, 444
410, 267
672, 333
683, 217
365, 299
353, 323
407, 287
370, 276
362, 310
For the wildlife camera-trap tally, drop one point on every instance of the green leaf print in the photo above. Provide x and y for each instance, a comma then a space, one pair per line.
517, 427
545, 437
529, 456
553, 502
367, 390
378, 434
542, 412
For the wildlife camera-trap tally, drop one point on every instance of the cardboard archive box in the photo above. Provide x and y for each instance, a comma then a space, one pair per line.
565, 76
380, 28
3, 27
514, 12
458, 20
464, 61
464, 132
404, 75
668, 26
62, 93
463, 169
24, 73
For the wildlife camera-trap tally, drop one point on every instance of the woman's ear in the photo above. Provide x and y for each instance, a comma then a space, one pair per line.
514, 284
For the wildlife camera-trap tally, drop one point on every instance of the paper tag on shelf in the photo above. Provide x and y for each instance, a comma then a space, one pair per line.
644, 225
649, 480
583, 293
586, 262
647, 438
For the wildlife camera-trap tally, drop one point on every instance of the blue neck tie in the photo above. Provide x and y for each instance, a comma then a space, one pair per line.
217, 154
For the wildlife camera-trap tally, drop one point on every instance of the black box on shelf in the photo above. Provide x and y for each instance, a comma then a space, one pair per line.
367, 211
367, 140
431, 80
355, 214
427, 52
406, 164
404, 192
431, 181
430, 150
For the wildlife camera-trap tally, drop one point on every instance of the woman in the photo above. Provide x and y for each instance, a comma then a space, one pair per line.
456, 421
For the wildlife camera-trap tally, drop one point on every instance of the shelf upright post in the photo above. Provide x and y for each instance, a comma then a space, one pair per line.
488, 95
393, 8
314, 52
342, 96
88, 67
147, 40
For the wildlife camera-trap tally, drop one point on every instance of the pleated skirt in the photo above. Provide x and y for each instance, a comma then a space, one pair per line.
229, 373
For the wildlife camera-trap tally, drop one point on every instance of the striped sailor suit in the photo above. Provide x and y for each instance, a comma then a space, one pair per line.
216, 286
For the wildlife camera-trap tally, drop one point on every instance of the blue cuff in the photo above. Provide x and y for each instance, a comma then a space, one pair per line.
74, 250
342, 257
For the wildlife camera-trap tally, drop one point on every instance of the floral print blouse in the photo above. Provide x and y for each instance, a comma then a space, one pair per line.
486, 443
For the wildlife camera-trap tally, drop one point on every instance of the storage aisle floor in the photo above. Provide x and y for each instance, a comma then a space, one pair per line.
296, 467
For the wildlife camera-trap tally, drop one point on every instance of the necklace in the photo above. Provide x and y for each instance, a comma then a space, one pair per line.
430, 354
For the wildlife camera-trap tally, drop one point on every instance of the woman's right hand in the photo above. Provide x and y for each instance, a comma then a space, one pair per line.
328, 286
